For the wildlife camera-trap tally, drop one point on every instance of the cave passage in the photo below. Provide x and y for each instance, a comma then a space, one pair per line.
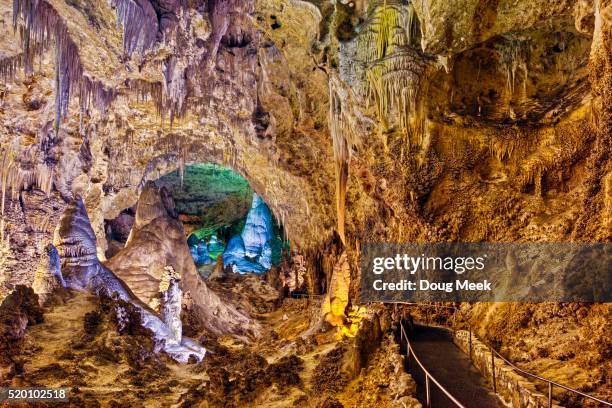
449, 365
226, 223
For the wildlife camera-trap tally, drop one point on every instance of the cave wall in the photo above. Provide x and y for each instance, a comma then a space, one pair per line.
166, 113
355, 121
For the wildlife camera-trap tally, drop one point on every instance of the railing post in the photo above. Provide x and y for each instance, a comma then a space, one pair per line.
493, 369
549, 394
428, 400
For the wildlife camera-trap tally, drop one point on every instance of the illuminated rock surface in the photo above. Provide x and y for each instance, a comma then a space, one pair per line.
251, 251
353, 121
82, 271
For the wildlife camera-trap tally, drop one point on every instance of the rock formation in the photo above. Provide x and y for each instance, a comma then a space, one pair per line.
157, 242
354, 121
82, 270
251, 251
19, 310
48, 276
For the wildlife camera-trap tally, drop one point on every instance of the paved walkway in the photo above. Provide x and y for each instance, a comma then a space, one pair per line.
451, 368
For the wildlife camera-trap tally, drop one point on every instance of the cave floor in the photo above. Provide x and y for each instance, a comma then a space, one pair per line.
98, 369
79, 347
104, 368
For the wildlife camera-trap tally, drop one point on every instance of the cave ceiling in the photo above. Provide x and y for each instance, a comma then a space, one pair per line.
431, 116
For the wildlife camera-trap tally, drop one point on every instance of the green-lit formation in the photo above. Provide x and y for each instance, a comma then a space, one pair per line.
215, 201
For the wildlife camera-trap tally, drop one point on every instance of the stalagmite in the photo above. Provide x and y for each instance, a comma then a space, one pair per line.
337, 298
76, 243
171, 300
49, 275
156, 242
251, 251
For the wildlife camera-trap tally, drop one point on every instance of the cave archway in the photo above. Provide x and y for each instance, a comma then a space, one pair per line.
224, 217
227, 225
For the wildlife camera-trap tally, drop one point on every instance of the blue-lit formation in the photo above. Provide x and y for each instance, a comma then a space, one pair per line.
251, 251
200, 253
255, 249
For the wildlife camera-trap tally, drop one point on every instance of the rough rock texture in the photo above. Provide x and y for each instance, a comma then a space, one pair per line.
158, 241
354, 121
18, 311
82, 271
49, 275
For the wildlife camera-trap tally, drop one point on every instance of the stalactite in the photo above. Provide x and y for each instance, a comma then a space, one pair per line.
514, 54
412, 30
43, 25
347, 127
385, 29
182, 159
8, 158
40, 176
175, 89
506, 146
219, 12
10, 65
140, 25
393, 68
147, 90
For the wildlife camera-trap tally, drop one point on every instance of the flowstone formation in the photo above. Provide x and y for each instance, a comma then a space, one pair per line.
251, 251
82, 271
354, 121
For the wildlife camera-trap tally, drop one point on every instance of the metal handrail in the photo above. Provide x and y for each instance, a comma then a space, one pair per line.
428, 376
550, 383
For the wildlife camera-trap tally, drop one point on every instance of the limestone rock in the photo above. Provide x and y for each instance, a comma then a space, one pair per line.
76, 243
18, 310
48, 276
155, 244
337, 298
448, 28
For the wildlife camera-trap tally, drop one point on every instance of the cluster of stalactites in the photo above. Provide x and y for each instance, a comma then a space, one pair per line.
389, 25
393, 68
10, 65
347, 127
42, 24
513, 55
14, 178
148, 91
40, 176
140, 25
168, 96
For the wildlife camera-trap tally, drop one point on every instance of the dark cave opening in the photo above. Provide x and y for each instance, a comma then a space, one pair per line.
118, 230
